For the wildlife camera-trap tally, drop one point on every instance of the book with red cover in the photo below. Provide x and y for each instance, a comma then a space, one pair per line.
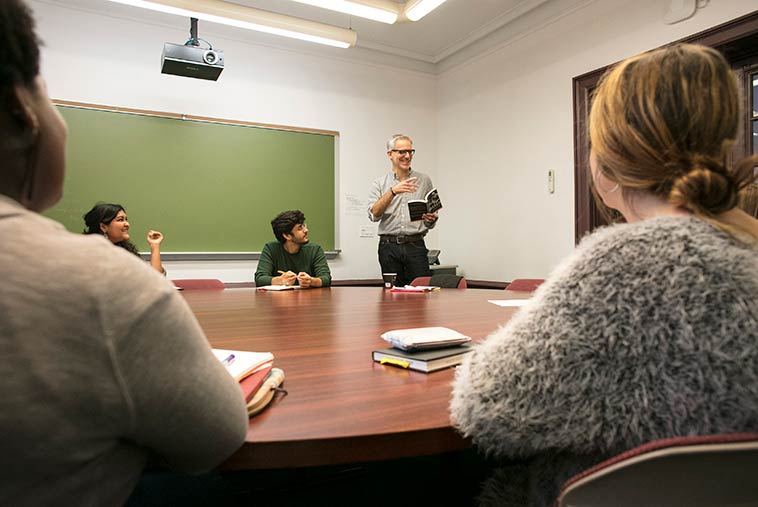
253, 382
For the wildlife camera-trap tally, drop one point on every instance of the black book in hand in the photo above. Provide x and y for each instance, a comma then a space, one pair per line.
429, 204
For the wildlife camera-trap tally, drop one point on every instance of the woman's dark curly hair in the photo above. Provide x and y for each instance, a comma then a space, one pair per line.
104, 213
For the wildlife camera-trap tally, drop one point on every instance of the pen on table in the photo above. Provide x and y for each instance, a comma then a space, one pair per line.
229, 360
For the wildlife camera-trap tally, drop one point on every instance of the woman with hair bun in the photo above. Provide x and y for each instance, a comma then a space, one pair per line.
110, 221
649, 329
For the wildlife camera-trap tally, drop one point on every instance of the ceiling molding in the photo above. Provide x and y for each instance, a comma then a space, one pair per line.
375, 46
494, 25
535, 21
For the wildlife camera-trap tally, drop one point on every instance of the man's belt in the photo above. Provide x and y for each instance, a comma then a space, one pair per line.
386, 238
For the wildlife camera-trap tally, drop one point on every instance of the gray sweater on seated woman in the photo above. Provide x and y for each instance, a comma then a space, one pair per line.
648, 330
103, 365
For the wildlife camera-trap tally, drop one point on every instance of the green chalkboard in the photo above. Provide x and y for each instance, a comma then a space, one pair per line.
208, 186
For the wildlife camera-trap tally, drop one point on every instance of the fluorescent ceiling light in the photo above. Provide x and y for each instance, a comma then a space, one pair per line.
378, 10
240, 16
420, 8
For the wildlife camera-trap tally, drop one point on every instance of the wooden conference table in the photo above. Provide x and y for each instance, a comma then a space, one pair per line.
342, 407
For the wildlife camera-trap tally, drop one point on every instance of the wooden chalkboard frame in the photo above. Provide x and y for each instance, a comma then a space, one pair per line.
219, 255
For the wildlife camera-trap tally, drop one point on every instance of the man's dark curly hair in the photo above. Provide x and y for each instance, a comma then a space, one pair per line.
285, 221
19, 47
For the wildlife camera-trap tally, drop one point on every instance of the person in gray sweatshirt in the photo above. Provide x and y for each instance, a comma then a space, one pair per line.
103, 363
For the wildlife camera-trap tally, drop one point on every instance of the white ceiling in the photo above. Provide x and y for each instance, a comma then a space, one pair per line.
456, 30
444, 31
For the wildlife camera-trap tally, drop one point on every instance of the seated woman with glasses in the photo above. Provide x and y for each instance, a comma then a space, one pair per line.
110, 221
649, 329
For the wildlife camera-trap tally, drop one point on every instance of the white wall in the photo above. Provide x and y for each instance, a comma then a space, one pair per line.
506, 118
487, 131
104, 59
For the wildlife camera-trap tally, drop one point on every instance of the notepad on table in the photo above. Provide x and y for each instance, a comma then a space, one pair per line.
425, 361
415, 288
424, 338
241, 363
509, 302
279, 287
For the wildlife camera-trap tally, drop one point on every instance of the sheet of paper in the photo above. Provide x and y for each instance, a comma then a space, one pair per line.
367, 231
509, 302
355, 205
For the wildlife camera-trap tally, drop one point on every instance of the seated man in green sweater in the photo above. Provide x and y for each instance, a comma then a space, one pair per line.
292, 260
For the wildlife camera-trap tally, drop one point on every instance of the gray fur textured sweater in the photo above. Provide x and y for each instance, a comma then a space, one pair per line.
648, 330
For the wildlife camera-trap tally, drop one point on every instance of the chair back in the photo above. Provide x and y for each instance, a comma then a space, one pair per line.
421, 280
443, 281
200, 284
525, 284
711, 470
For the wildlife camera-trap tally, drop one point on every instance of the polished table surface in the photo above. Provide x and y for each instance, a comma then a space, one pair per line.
341, 406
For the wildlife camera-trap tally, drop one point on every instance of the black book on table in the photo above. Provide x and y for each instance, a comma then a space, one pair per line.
423, 360
429, 204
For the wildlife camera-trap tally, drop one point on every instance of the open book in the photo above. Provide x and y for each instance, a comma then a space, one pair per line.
429, 204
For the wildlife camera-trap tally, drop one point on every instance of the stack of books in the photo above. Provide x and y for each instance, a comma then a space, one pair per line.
255, 372
425, 349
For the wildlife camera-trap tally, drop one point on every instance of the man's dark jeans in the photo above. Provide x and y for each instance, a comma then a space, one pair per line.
408, 260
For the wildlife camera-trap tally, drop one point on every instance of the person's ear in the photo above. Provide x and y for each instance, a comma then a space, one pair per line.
103, 228
21, 108
287, 237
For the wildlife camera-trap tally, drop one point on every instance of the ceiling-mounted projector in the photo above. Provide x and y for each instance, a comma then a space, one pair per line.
192, 61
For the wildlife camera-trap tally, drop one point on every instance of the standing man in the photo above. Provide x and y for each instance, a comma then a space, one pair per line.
281, 260
401, 242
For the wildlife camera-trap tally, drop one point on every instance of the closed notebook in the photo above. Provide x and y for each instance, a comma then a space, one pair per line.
424, 338
424, 360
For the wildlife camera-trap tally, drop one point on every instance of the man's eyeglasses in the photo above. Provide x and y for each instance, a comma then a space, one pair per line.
404, 152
